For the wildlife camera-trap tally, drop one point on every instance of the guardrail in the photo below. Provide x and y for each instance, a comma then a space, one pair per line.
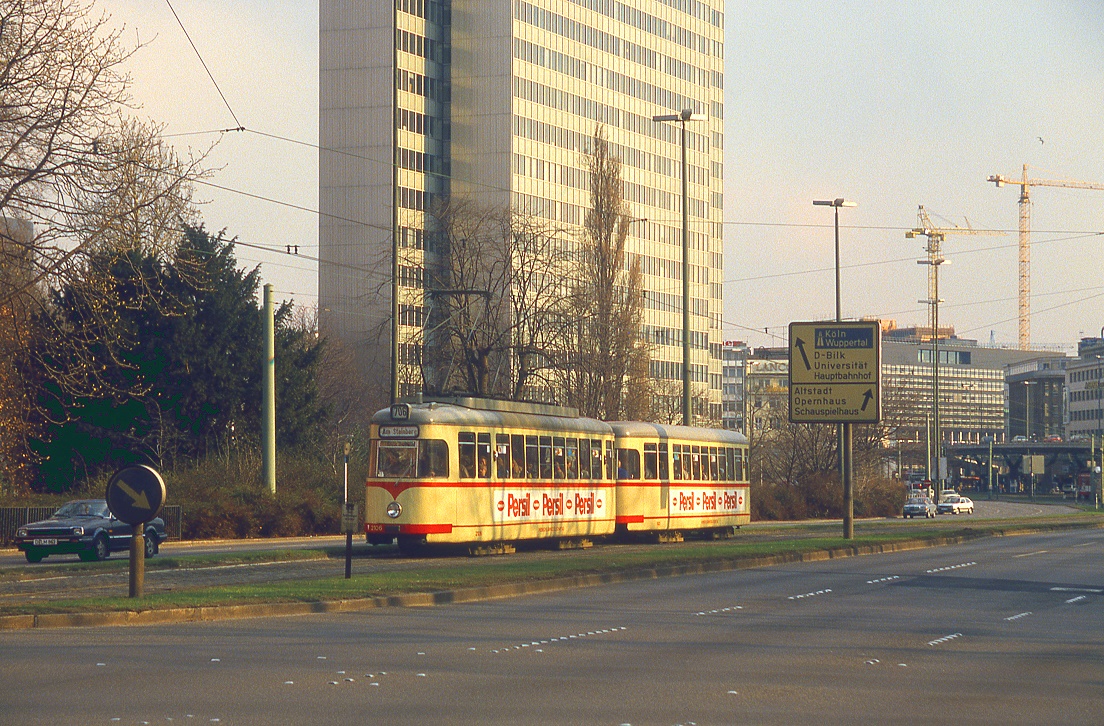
11, 518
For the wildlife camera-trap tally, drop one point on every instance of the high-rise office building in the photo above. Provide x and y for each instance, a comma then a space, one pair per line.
497, 102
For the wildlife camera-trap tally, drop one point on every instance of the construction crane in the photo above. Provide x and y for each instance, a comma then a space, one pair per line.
1025, 238
935, 258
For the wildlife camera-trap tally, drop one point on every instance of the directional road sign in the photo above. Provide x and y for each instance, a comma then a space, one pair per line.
135, 494
835, 372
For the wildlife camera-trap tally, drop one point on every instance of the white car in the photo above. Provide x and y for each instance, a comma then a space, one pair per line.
955, 504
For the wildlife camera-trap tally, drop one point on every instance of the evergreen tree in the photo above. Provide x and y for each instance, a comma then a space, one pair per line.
186, 375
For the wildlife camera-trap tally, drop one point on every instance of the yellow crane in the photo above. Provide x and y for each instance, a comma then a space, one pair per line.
1025, 238
935, 258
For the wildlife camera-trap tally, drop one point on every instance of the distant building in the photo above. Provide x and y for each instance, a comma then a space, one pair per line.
972, 390
734, 355
767, 390
1084, 383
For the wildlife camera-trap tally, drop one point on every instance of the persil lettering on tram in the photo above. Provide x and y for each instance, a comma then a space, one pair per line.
523, 505
708, 501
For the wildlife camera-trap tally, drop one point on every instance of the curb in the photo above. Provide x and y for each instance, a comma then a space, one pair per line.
463, 595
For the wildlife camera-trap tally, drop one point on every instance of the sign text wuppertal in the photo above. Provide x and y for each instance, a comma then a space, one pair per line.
835, 372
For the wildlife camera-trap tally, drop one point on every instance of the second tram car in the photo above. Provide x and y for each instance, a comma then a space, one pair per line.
479, 471
674, 479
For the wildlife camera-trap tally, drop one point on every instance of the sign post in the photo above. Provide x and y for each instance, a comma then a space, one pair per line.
135, 495
348, 526
835, 377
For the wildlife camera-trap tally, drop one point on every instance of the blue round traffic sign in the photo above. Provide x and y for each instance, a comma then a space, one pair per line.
135, 494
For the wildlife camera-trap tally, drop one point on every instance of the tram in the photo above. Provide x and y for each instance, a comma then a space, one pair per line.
473, 471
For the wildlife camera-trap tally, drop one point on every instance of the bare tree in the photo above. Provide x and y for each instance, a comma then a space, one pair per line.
78, 178
607, 352
495, 286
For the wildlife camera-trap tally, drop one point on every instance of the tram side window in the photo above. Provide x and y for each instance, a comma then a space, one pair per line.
502, 456
731, 460
664, 472
466, 449
628, 464
596, 459
545, 457
433, 460
532, 459
396, 459
572, 458
651, 461
742, 464
713, 463
483, 456
722, 464
584, 457
696, 458
609, 460
517, 456
676, 461
559, 457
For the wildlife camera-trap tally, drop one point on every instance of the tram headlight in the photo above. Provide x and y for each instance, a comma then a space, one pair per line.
394, 509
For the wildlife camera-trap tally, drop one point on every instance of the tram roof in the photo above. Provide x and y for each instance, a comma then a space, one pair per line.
489, 413
644, 429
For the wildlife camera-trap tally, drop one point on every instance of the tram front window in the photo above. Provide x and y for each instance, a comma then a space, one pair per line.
396, 459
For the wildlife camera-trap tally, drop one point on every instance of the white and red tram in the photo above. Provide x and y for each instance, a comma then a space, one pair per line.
471, 471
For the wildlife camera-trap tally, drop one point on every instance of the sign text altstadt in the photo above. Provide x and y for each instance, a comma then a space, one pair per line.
835, 372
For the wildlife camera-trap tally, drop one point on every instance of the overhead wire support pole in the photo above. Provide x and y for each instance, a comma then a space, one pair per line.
394, 204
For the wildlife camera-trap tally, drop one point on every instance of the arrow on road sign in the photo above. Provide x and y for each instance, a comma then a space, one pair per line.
800, 345
867, 397
141, 501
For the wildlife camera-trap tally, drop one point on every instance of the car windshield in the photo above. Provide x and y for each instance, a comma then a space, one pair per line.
82, 509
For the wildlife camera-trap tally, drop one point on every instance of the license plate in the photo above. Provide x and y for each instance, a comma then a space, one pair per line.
45, 541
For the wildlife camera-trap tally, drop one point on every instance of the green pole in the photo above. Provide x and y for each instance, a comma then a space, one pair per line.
268, 413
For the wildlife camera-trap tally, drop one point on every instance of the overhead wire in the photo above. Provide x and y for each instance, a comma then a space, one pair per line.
204, 64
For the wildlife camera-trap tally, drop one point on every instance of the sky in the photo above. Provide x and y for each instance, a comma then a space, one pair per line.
890, 104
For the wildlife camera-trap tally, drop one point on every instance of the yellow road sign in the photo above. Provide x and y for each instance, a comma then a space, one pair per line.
835, 372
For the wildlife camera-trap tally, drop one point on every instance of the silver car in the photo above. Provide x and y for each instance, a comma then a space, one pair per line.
919, 507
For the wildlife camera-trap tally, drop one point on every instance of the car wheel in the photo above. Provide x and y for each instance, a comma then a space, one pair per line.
151, 543
100, 550
33, 556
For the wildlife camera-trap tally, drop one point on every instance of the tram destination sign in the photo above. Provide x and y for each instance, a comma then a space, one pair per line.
835, 372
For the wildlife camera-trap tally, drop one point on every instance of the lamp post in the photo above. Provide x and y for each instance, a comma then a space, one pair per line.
682, 117
843, 431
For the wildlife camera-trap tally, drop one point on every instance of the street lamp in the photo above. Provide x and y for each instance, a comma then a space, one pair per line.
682, 117
836, 204
843, 431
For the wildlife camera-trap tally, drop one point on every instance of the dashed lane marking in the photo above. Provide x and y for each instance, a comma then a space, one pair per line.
951, 567
810, 594
944, 639
720, 610
561, 639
